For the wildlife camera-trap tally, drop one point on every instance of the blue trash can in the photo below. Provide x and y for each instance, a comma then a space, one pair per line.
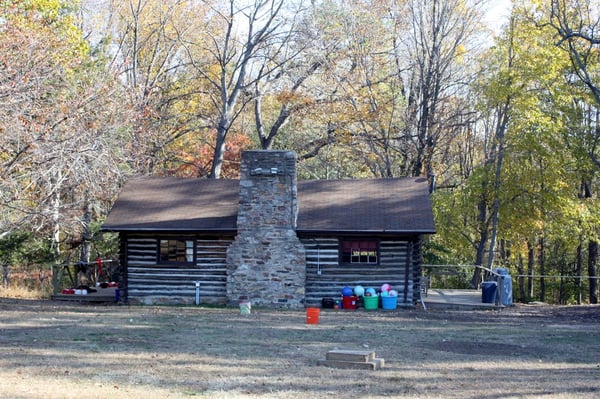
504, 280
488, 291
505, 289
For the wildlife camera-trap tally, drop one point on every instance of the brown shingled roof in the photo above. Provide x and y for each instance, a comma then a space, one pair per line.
327, 206
156, 203
367, 205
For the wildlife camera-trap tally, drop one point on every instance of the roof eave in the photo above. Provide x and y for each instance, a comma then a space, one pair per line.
117, 229
374, 232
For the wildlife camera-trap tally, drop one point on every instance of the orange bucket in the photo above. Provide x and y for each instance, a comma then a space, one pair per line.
312, 315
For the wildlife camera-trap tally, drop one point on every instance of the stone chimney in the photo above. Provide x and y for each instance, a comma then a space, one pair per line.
267, 262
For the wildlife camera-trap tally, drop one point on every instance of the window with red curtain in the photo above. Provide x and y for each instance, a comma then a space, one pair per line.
360, 251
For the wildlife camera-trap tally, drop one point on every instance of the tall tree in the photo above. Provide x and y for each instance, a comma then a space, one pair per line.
439, 41
243, 38
59, 120
498, 105
369, 79
147, 40
517, 187
577, 24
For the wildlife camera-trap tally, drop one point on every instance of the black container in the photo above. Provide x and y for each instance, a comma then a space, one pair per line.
327, 303
488, 291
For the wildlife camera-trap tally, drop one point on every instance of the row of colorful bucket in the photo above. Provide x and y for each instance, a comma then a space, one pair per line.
370, 302
351, 303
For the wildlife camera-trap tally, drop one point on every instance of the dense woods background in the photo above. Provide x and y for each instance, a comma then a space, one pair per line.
93, 92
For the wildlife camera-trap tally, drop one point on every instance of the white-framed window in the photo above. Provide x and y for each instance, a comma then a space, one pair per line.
178, 251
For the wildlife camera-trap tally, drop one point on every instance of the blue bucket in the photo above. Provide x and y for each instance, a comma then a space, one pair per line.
389, 302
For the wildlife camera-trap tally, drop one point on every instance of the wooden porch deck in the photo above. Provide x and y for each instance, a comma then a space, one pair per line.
101, 295
456, 299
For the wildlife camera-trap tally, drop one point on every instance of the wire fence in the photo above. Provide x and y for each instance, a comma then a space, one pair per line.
473, 267
552, 288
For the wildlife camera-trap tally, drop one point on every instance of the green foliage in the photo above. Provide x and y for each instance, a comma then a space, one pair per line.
25, 250
11, 247
55, 17
456, 224
546, 147
105, 245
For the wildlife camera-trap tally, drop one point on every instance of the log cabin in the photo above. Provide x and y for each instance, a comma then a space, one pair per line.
268, 237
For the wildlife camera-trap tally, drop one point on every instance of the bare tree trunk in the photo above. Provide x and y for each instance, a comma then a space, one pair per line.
578, 270
439, 30
542, 269
56, 223
219, 154
592, 262
492, 248
521, 279
483, 237
530, 267
87, 234
6, 276
501, 130
562, 294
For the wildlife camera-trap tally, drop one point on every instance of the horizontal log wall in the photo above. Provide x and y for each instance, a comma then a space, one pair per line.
395, 268
148, 281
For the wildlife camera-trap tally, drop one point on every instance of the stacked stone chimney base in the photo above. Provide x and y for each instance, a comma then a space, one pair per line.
267, 262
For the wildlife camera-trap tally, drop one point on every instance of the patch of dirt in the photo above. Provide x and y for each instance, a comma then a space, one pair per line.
488, 348
531, 313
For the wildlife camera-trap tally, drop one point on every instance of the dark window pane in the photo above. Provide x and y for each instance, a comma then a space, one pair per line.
176, 251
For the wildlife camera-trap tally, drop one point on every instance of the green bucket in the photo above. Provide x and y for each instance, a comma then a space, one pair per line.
371, 302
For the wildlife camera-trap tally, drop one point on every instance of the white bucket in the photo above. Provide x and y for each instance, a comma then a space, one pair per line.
245, 306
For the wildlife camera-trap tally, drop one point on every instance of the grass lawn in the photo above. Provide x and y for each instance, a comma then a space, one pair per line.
70, 350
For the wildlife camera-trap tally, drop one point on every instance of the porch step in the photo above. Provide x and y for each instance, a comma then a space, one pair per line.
352, 359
